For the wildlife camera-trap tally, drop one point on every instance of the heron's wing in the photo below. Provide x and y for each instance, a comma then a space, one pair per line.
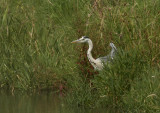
109, 58
105, 59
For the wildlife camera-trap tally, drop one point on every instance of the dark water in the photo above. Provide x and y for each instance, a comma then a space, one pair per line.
30, 103
36, 103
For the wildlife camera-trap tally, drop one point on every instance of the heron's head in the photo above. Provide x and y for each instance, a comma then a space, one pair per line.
83, 39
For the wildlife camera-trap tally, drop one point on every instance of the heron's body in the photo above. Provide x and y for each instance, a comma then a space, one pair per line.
98, 63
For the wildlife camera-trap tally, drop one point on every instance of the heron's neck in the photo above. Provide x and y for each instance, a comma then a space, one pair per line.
89, 54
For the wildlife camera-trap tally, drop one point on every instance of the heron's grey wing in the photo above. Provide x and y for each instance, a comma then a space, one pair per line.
105, 59
113, 51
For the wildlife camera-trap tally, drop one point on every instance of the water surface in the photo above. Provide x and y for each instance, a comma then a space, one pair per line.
42, 102
31, 103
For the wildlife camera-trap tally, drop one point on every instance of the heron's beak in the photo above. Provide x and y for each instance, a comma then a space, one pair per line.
75, 41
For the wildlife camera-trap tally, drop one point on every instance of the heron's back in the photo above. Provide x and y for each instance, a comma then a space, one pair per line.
105, 59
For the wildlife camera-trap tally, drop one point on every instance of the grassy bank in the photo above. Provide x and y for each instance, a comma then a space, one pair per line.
36, 53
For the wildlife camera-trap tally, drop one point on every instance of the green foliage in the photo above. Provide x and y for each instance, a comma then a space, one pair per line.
128, 83
36, 52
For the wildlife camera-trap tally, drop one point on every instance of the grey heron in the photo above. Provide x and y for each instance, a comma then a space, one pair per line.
98, 63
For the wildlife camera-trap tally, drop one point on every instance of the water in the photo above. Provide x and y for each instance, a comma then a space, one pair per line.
31, 103
42, 102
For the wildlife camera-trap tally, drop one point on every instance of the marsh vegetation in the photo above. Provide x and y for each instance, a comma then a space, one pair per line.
36, 51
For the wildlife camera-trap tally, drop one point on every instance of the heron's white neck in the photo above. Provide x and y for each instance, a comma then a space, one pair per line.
89, 54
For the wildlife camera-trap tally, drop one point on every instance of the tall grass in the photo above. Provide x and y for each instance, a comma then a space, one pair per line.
36, 52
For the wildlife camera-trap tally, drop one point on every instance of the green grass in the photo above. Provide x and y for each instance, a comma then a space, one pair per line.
36, 53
